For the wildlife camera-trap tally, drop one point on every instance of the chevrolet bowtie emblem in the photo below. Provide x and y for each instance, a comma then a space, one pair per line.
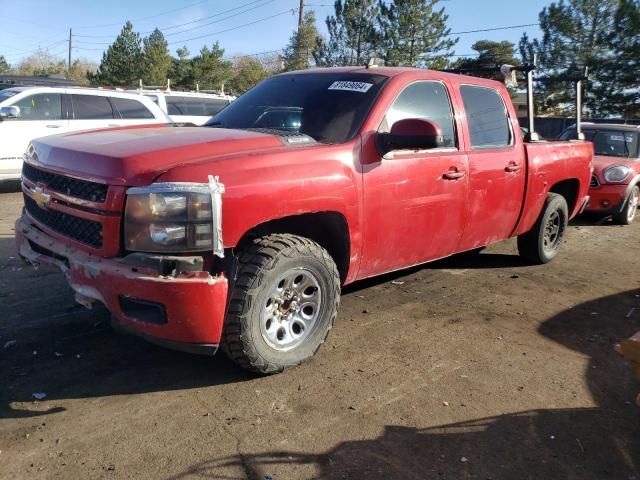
41, 198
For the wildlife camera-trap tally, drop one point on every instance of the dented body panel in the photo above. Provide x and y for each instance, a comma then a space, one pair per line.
399, 209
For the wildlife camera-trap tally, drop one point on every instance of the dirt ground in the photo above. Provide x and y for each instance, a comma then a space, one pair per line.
465, 368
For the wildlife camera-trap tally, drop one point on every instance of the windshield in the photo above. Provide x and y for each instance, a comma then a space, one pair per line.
328, 107
4, 94
609, 142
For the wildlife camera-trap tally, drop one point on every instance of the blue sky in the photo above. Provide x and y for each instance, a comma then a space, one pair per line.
29, 24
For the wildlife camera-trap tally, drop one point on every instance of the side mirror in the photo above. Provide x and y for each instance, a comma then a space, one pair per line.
411, 134
9, 112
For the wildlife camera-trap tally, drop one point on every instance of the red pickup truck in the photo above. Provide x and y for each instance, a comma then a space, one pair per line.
240, 234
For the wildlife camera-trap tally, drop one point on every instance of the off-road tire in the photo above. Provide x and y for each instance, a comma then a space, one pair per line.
534, 245
260, 265
628, 213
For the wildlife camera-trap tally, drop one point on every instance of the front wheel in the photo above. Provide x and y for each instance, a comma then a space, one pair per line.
283, 304
542, 243
628, 213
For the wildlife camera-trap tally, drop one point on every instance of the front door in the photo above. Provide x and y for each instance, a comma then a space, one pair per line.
414, 201
40, 115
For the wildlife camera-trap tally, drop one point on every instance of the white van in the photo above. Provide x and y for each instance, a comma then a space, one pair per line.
188, 107
31, 112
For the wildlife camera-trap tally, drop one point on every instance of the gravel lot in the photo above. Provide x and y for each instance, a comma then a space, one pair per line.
465, 368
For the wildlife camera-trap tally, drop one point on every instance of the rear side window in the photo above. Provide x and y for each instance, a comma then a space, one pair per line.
130, 109
486, 117
42, 106
204, 107
428, 100
91, 107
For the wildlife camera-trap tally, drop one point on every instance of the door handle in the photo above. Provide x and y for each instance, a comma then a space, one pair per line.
512, 167
114, 125
453, 174
53, 126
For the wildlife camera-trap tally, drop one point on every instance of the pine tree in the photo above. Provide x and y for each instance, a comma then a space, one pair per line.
210, 71
353, 37
576, 34
622, 70
302, 43
5, 68
490, 54
122, 62
182, 68
416, 34
157, 59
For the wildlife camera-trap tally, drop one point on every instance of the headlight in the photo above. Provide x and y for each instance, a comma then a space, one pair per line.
170, 217
616, 173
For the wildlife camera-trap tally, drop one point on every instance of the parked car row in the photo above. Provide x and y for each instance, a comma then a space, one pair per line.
31, 112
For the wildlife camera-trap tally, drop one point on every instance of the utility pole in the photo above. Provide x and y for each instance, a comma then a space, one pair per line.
300, 14
69, 63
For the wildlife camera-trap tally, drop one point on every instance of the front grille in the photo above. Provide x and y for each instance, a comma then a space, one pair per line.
94, 192
80, 229
594, 182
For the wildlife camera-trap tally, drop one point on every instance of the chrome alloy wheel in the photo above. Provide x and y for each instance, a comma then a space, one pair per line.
291, 310
551, 239
633, 205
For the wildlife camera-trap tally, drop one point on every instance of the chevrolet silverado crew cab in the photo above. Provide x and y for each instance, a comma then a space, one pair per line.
239, 234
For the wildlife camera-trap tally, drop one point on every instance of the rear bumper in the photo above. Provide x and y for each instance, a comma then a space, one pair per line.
185, 312
607, 199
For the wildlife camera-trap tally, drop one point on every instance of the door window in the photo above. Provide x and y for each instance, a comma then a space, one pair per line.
427, 100
130, 109
486, 116
91, 107
42, 106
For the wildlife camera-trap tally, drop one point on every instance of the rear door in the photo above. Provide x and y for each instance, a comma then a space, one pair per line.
497, 167
415, 201
90, 112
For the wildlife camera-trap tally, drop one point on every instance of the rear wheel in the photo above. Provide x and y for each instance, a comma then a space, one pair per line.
542, 243
628, 213
283, 304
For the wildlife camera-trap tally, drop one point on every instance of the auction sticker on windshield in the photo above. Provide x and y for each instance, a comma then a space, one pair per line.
349, 86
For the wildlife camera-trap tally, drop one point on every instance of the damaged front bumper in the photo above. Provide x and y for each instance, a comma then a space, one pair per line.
182, 309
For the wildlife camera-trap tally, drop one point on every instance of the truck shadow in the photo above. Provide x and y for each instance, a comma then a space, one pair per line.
49, 344
592, 219
587, 443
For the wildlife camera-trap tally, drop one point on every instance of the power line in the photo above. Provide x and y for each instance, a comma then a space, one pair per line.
291, 11
21, 54
196, 27
146, 18
182, 24
496, 28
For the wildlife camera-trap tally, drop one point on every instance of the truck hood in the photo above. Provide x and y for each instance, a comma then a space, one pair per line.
135, 156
